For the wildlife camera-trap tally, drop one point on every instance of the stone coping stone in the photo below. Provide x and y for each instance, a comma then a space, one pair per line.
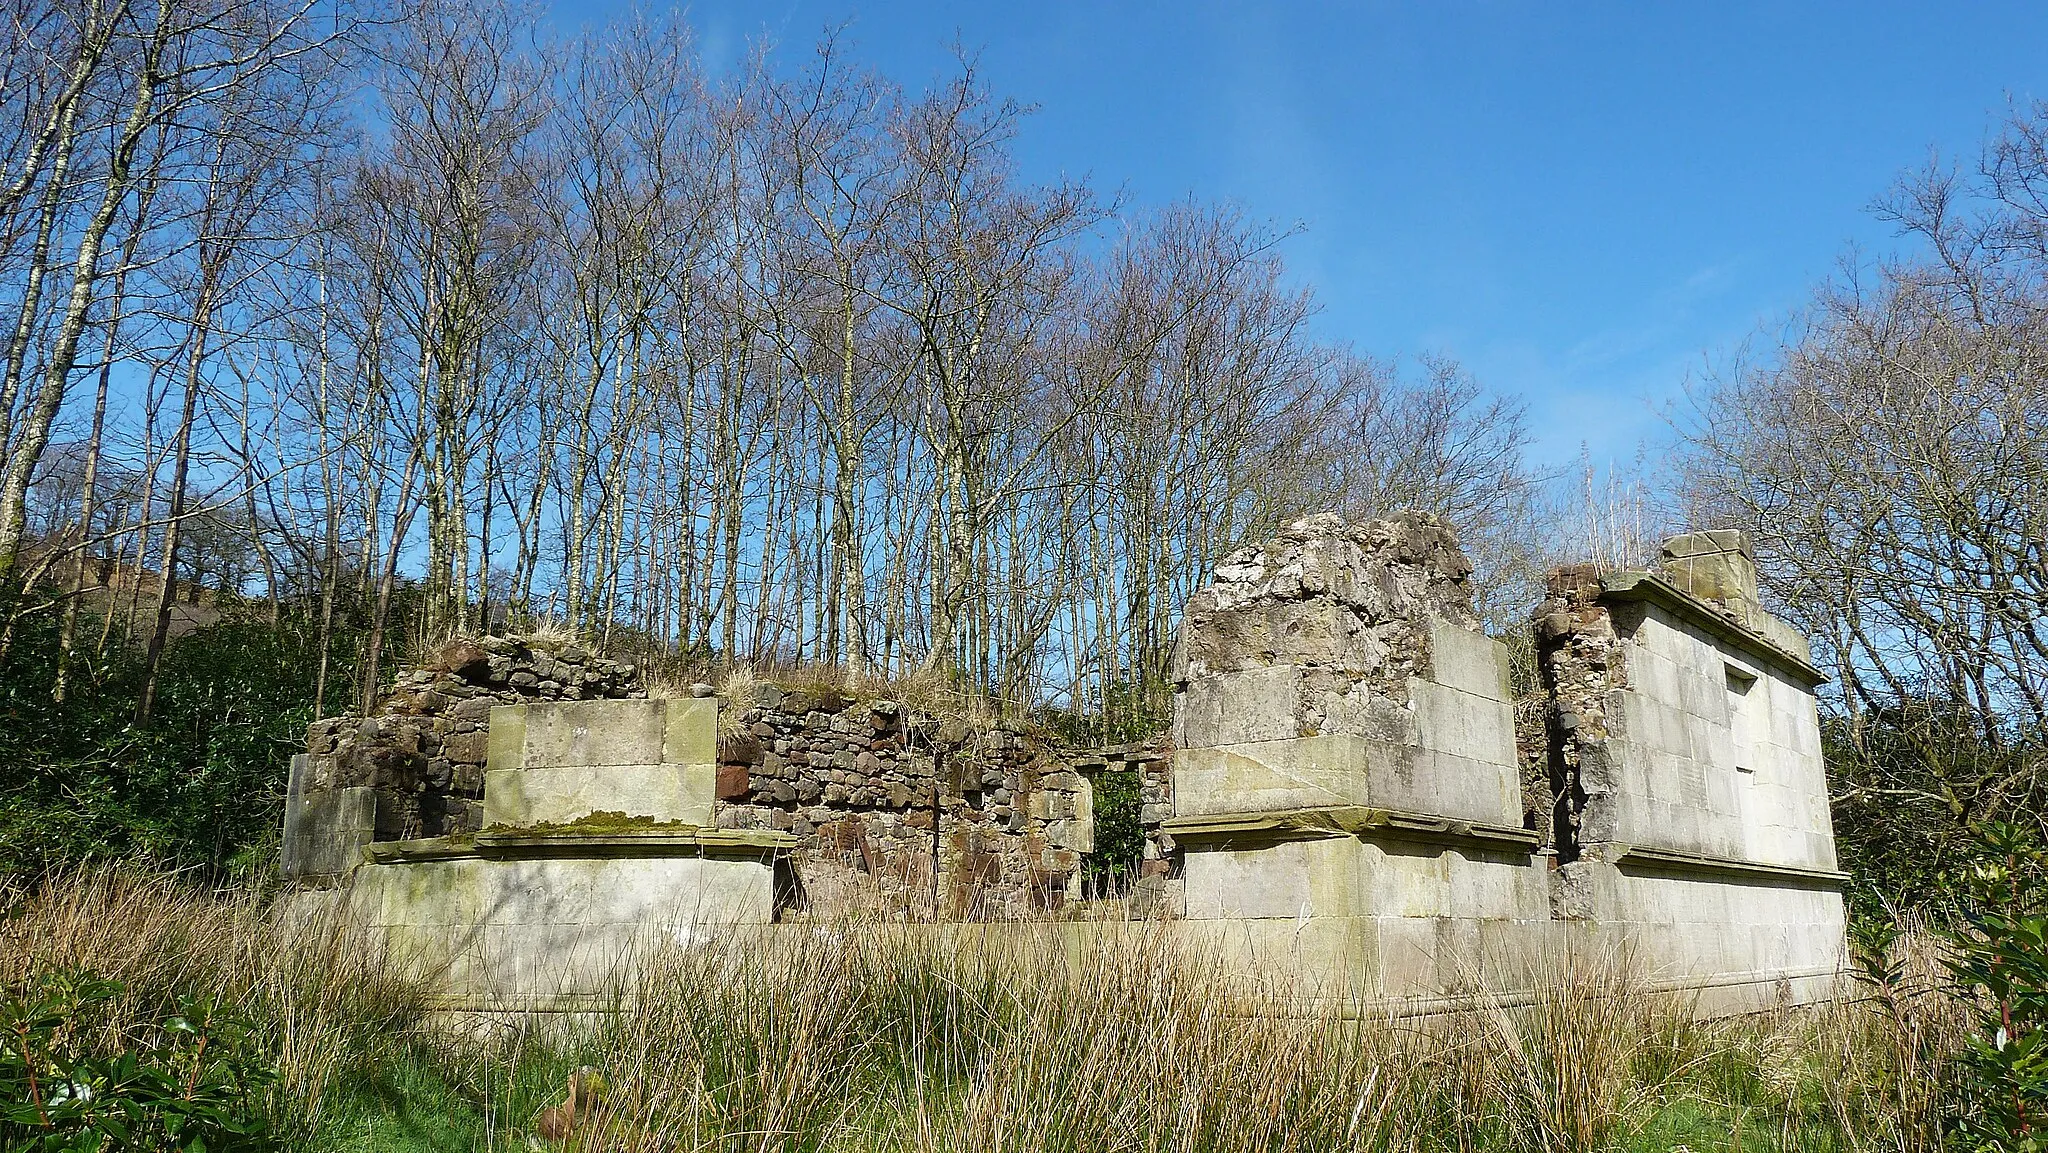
1675, 861
1346, 821
1647, 586
655, 842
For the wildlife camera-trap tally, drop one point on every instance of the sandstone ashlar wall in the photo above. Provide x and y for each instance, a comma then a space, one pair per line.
595, 855
1353, 806
1346, 784
563, 762
415, 767
905, 814
1692, 797
536, 926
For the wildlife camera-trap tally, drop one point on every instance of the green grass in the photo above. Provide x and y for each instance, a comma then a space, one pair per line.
406, 1106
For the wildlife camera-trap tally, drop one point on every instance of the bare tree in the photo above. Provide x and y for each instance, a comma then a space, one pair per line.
128, 72
1890, 456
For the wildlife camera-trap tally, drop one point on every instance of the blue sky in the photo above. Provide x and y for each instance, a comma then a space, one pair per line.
1580, 202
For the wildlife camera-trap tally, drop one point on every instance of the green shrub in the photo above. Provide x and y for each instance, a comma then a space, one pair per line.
2002, 954
198, 784
195, 1080
1119, 831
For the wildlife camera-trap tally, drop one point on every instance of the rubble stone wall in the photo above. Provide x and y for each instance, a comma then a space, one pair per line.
918, 815
892, 810
421, 753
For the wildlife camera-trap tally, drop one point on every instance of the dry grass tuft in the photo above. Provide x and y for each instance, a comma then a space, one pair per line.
426, 648
548, 635
739, 691
1563, 1065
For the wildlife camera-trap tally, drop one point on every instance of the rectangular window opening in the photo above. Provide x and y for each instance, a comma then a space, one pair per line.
1743, 701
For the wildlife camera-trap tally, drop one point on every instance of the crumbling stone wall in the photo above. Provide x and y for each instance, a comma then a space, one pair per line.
911, 813
1579, 657
915, 814
1343, 664
422, 749
1532, 758
1656, 737
1334, 615
1352, 795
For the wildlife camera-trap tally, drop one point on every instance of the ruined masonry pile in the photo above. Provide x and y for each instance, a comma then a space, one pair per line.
1343, 665
1318, 631
1582, 666
422, 751
1358, 795
918, 814
1352, 794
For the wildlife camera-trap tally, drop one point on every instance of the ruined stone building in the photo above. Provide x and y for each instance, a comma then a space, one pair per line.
1351, 794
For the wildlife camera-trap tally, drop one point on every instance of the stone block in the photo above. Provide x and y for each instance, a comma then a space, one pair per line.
1717, 565
1303, 772
473, 748
1467, 660
506, 747
1266, 882
733, 782
326, 831
1235, 707
1463, 724
682, 794
596, 733
1463, 788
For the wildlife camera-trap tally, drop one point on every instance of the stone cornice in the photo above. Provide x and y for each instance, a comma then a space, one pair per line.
1653, 589
1675, 861
1311, 824
570, 842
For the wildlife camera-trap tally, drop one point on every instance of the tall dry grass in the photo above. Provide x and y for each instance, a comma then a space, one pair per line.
940, 1039
876, 1037
322, 998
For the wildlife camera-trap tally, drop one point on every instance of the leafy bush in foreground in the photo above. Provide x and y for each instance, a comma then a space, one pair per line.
195, 1080
2002, 953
